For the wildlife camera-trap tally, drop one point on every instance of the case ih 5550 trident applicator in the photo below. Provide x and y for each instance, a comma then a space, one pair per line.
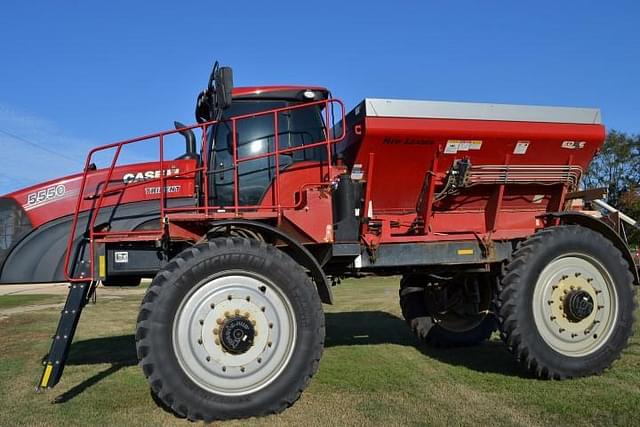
476, 206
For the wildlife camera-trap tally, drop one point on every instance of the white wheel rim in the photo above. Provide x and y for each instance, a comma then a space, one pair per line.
559, 279
203, 357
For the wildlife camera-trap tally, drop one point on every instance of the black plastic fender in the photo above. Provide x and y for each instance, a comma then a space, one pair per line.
39, 256
297, 251
584, 220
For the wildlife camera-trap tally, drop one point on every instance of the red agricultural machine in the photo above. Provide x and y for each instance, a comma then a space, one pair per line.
279, 194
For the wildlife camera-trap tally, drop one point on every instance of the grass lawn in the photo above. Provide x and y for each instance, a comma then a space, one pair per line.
12, 301
373, 372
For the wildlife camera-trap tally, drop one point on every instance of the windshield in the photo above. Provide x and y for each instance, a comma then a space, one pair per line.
255, 136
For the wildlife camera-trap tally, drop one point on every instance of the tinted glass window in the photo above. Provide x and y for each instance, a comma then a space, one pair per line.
255, 136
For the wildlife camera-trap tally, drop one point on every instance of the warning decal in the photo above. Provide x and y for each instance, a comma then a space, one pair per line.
521, 147
455, 145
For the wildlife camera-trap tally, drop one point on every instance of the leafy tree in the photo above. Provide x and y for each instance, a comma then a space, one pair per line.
617, 167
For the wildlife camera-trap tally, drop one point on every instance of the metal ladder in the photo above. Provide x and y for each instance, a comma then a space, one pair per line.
79, 294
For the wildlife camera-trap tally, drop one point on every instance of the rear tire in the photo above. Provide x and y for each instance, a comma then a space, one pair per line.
230, 328
566, 303
438, 332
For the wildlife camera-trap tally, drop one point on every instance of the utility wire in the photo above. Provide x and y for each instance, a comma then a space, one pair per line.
12, 179
39, 146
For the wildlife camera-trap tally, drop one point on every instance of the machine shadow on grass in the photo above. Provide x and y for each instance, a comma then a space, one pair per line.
343, 329
119, 351
379, 327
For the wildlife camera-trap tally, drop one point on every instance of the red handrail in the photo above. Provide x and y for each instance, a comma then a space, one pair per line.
208, 211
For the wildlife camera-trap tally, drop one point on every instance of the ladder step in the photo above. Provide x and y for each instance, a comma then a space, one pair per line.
125, 238
77, 298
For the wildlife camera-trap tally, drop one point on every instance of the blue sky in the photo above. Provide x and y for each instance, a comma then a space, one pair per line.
74, 74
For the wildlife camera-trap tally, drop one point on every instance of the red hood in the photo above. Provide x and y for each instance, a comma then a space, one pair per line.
57, 198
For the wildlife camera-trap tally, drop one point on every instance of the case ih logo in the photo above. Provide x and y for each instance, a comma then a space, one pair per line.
142, 176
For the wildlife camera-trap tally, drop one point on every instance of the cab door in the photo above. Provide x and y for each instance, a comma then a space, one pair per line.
254, 136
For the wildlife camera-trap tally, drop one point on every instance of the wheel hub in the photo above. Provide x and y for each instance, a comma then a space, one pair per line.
233, 334
578, 305
574, 305
236, 334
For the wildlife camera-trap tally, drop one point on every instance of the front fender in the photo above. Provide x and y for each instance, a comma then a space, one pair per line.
297, 251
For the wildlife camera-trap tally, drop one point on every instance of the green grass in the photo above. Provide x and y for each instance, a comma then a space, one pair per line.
373, 372
11, 301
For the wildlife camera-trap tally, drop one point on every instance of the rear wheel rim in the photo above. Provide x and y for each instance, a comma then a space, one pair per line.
214, 313
459, 324
575, 305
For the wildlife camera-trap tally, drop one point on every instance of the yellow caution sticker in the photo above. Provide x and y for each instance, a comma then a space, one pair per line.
102, 266
465, 251
46, 375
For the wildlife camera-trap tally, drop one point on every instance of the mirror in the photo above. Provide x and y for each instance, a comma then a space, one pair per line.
224, 87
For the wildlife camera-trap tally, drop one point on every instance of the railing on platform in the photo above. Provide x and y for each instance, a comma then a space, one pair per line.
205, 208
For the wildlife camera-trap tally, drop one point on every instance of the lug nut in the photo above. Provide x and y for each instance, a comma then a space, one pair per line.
215, 331
227, 314
217, 341
219, 321
237, 312
246, 315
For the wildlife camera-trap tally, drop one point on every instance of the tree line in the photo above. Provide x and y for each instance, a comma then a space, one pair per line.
617, 167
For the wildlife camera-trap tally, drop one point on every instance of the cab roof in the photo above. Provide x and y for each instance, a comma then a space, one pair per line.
293, 93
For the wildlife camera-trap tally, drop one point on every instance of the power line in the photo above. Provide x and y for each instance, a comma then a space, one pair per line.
12, 179
39, 146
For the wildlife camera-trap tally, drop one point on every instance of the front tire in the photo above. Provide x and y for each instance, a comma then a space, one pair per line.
231, 328
566, 303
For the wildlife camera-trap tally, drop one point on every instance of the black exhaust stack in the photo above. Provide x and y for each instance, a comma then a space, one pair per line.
189, 138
